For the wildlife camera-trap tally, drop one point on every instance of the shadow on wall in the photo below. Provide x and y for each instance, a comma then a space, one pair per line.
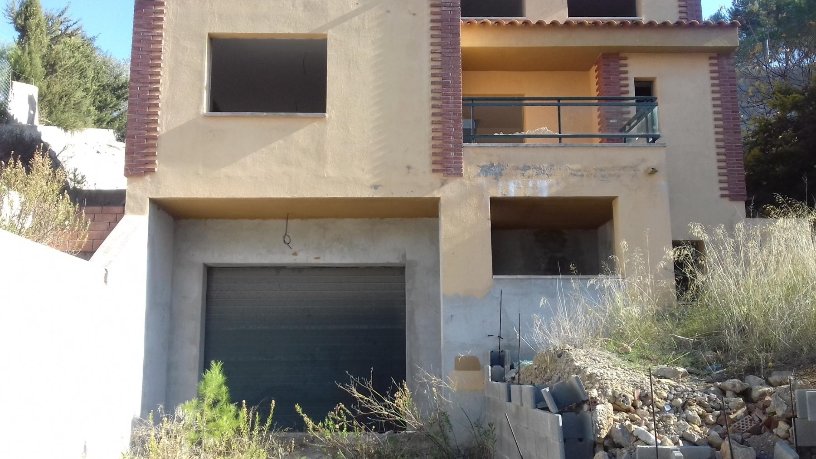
23, 142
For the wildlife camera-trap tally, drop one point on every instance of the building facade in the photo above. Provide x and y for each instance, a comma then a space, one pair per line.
355, 185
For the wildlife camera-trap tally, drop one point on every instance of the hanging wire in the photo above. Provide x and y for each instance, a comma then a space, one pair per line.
287, 239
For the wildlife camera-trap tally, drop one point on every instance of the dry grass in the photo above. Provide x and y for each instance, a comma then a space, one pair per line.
169, 437
751, 302
614, 311
353, 432
754, 298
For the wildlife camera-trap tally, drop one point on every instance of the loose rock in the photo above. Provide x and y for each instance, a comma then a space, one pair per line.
644, 435
754, 381
779, 378
675, 373
602, 420
734, 385
739, 451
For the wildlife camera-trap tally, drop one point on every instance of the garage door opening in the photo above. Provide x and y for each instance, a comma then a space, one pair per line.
289, 334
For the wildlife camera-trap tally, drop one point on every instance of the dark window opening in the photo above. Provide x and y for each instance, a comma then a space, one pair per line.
492, 8
688, 263
551, 236
602, 9
644, 88
268, 75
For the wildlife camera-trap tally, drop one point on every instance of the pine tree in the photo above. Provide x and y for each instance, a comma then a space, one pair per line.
32, 41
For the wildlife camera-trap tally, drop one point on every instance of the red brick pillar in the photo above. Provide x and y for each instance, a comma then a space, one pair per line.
446, 88
727, 130
145, 84
611, 80
690, 10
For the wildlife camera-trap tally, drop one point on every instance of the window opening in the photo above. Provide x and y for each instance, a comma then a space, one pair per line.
689, 259
492, 8
602, 9
271, 75
551, 236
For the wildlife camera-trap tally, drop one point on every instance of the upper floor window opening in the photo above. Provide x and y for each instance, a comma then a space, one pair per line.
492, 8
267, 75
602, 9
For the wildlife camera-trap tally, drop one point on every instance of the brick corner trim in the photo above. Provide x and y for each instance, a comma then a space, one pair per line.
145, 84
446, 88
727, 131
690, 10
611, 80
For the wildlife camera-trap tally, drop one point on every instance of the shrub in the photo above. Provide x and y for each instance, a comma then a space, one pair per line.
352, 432
209, 427
34, 204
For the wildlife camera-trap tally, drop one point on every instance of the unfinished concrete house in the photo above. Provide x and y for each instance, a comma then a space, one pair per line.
346, 186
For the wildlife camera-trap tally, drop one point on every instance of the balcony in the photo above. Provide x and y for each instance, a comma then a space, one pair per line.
559, 120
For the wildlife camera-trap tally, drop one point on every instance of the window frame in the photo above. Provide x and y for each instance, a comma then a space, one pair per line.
206, 106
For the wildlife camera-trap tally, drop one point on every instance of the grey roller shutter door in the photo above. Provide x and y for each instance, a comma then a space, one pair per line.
289, 334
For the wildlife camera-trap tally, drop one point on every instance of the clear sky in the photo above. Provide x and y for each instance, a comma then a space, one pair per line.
111, 21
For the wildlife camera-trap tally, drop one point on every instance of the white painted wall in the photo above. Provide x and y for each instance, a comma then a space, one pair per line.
23, 103
71, 345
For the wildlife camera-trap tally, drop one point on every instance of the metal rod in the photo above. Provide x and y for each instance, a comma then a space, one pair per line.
654, 416
560, 130
512, 432
793, 411
727, 429
501, 297
472, 126
518, 353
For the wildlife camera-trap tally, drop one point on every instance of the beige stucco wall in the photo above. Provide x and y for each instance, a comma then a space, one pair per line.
540, 84
683, 88
373, 141
622, 172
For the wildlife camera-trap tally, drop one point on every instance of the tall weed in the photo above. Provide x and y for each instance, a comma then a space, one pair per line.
753, 299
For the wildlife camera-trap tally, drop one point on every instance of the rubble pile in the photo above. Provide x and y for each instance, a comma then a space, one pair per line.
687, 410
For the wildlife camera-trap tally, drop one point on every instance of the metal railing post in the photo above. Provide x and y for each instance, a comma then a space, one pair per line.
560, 131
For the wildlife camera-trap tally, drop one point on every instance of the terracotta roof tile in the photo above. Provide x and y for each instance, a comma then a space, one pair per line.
623, 23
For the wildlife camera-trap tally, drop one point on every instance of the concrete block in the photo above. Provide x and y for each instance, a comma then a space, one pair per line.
579, 440
674, 452
569, 393
810, 404
549, 400
497, 373
802, 411
530, 396
515, 394
805, 432
498, 390
783, 450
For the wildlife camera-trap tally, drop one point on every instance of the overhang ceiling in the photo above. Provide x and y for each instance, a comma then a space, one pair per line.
550, 213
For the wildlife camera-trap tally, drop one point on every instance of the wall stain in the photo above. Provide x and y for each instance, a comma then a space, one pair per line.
558, 171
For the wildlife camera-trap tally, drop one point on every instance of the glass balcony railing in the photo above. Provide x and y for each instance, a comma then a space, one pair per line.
560, 120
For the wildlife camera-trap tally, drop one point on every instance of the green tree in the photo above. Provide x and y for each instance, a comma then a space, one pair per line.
781, 148
777, 45
82, 86
28, 20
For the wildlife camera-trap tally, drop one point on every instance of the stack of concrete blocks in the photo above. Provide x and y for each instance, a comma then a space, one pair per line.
533, 432
675, 452
804, 425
